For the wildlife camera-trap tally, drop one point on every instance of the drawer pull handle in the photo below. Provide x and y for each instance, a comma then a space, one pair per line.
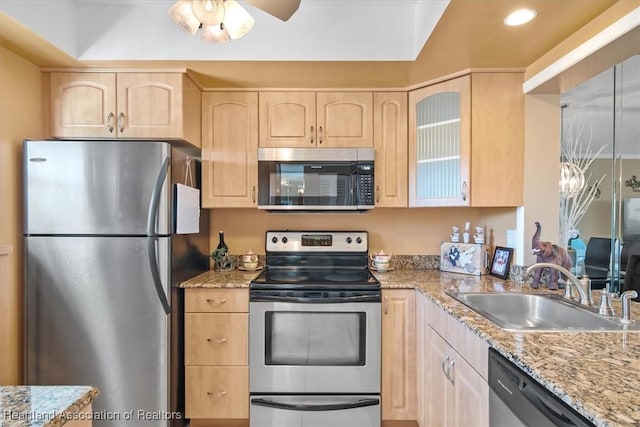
217, 394
216, 301
216, 340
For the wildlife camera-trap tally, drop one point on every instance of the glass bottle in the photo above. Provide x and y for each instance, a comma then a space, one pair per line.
221, 254
222, 246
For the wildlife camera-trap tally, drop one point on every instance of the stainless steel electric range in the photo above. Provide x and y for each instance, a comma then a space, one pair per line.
315, 325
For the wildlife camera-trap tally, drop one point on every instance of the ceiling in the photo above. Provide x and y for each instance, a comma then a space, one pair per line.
326, 43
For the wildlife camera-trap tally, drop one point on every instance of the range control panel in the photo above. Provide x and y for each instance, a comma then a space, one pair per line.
317, 241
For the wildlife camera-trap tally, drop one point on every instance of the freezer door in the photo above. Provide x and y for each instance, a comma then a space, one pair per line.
97, 187
93, 317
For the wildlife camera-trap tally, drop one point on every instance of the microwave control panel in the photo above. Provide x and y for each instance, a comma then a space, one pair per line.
365, 185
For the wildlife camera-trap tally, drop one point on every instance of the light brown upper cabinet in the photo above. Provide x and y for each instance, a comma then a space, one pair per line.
466, 142
316, 119
390, 143
125, 105
229, 149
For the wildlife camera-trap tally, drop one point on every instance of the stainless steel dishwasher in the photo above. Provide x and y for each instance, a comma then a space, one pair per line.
516, 399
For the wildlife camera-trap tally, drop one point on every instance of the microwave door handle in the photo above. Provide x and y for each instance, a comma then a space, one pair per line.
316, 300
360, 403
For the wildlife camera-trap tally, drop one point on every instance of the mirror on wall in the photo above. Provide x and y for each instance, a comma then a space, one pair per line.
600, 170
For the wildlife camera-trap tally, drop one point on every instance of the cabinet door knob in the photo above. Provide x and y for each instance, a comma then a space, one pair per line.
253, 194
110, 122
386, 305
217, 393
312, 134
216, 301
463, 192
320, 135
121, 122
377, 194
216, 340
450, 371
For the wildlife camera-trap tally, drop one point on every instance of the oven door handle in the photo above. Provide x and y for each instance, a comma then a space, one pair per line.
360, 403
316, 300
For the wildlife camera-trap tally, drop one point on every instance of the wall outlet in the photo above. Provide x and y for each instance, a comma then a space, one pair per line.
511, 238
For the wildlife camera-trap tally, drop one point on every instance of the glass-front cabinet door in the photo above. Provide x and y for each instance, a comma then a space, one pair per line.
440, 144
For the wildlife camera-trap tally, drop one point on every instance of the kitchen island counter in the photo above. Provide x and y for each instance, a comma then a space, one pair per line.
45, 406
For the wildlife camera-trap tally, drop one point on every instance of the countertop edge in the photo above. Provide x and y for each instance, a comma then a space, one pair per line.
45, 406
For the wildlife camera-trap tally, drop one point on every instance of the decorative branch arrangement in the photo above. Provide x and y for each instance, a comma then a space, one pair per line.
575, 151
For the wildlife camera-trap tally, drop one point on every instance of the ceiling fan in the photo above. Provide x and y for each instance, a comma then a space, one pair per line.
222, 20
281, 9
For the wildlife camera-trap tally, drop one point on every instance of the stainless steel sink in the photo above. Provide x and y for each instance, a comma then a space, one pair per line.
539, 313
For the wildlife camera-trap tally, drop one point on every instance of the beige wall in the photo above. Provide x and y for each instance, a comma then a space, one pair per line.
20, 117
541, 170
402, 231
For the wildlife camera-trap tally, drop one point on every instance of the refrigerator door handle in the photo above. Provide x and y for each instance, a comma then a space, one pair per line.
155, 198
151, 231
155, 273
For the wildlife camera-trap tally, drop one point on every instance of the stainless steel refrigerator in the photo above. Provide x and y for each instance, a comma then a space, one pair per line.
102, 258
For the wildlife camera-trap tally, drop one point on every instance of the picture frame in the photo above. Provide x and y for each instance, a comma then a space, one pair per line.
501, 261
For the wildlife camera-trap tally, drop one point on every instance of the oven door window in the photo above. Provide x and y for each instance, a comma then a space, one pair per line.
304, 338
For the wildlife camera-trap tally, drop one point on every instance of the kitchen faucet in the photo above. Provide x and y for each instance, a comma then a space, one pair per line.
626, 306
585, 294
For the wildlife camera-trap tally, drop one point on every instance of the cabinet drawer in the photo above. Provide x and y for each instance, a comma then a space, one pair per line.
216, 339
217, 392
216, 300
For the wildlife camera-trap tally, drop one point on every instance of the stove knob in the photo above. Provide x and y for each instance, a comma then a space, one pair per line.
359, 240
274, 239
284, 239
349, 240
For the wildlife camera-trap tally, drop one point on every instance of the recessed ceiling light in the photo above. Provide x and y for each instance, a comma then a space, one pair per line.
519, 17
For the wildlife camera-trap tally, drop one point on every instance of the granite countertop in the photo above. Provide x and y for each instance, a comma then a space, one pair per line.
221, 279
597, 373
43, 406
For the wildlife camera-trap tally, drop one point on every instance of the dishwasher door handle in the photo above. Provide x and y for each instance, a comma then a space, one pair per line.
558, 418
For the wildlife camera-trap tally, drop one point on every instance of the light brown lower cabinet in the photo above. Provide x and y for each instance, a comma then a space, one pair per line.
217, 391
398, 388
81, 419
216, 357
452, 385
457, 395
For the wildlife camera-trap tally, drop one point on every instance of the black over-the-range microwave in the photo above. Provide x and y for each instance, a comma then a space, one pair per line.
316, 179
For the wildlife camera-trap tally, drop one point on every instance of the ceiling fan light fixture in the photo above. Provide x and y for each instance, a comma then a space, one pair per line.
219, 20
214, 34
182, 14
520, 17
237, 20
209, 12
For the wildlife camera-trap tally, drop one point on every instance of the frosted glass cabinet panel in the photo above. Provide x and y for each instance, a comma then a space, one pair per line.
439, 145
